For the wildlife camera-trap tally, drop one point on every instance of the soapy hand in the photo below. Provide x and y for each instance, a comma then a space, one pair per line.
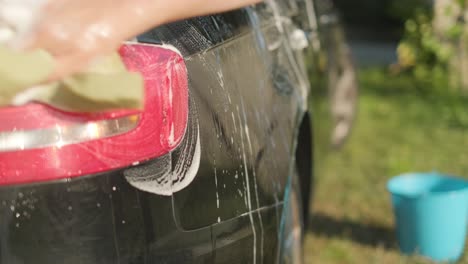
77, 32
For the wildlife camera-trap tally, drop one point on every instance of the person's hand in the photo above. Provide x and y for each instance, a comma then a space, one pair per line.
76, 32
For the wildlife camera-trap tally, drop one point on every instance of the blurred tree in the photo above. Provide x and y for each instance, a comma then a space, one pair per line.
449, 25
420, 50
404, 10
434, 46
433, 40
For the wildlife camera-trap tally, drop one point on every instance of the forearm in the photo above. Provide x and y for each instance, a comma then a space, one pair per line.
75, 32
152, 13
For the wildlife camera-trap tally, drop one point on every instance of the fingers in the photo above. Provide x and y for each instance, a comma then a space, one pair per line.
67, 59
76, 32
68, 65
71, 54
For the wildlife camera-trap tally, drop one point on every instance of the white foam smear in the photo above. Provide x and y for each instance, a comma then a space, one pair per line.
247, 183
182, 180
154, 177
159, 178
27, 95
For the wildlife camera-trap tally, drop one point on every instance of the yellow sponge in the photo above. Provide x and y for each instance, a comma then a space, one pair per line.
105, 85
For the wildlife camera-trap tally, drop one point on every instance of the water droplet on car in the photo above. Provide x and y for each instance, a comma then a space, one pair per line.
12, 208
114, 188
70, 208
17, 215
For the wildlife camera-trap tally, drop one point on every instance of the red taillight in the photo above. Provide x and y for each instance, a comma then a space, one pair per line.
39, 143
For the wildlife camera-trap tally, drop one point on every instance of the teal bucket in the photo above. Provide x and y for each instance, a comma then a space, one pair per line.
431, 213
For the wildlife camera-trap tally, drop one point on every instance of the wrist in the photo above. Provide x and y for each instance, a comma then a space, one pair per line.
138, 16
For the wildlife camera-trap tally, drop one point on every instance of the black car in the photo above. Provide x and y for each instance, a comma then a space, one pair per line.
216, 169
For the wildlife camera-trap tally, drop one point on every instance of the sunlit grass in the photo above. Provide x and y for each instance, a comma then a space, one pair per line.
403, 125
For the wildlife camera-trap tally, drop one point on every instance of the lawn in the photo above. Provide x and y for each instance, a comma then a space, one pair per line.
403, 125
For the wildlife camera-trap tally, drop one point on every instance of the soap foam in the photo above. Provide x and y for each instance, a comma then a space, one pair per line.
17, 17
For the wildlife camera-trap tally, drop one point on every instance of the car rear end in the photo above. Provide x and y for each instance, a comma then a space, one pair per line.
79, 187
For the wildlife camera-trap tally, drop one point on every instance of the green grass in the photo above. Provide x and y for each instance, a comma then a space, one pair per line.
403, 125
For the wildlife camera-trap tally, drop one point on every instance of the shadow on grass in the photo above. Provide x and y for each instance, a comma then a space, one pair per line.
368, 235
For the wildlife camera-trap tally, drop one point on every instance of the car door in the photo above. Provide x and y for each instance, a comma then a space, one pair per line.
217, 197
244, 84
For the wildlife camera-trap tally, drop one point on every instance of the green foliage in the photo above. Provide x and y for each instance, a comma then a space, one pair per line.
420, 51
428, 54
404, 10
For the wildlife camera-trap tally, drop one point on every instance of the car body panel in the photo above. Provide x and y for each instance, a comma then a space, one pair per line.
230, 176
95, 219
249, 152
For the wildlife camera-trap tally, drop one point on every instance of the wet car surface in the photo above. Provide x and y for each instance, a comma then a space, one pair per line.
231, 189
